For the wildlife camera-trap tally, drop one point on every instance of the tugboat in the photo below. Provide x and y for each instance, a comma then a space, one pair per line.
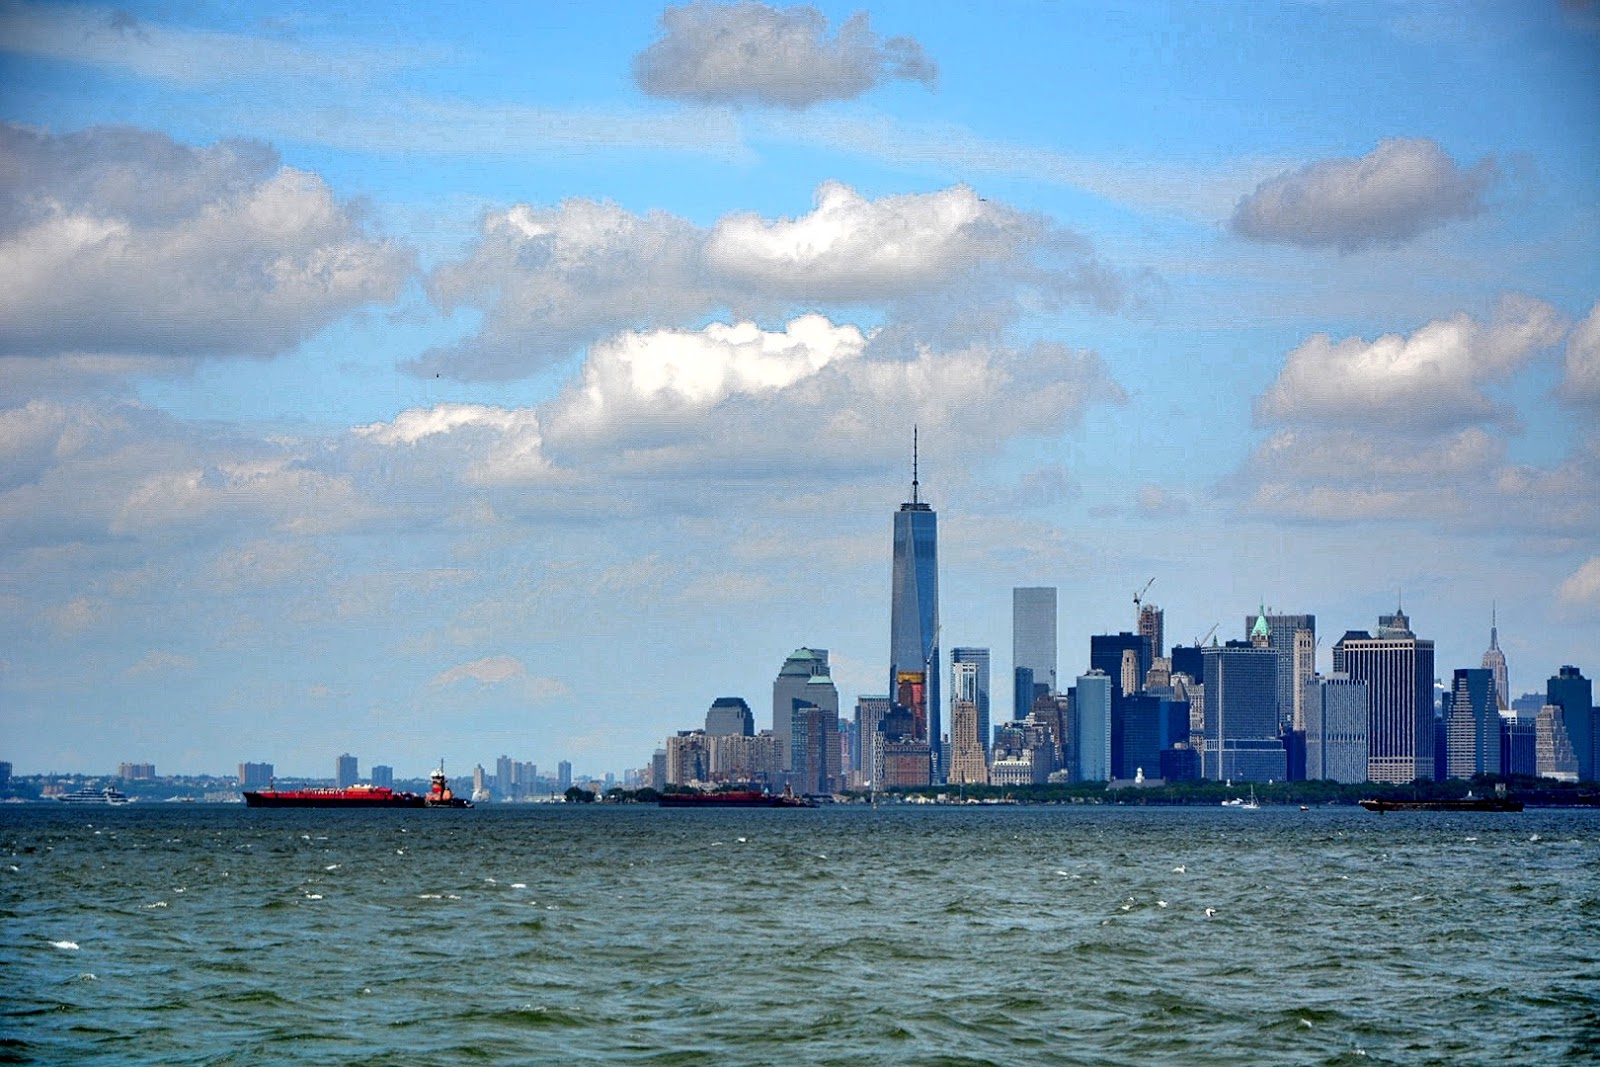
439, 794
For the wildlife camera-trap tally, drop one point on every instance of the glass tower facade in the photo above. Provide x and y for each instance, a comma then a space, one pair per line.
914, 616
1033, 643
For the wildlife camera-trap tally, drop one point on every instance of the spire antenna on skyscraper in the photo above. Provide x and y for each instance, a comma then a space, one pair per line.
914, 463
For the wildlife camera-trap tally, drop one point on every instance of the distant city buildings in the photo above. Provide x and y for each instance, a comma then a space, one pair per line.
730, 716
968, 761
1494, 661
136, 772
255, 775
345, 772
1573, 694
979, 658
383, 775
1242, 735
1472, 724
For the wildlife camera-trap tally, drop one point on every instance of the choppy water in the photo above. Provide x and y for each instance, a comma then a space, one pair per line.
221, 935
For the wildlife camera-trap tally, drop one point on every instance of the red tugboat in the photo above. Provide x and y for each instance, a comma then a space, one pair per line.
359, 796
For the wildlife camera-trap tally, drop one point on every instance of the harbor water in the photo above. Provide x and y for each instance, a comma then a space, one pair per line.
201, 934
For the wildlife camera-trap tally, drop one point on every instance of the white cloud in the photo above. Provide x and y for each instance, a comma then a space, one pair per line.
1156, 502
1435, 377
123, 242
666, 372
1400, 189
752, 53
944, 267
1580, 592
490, 445
1582, 380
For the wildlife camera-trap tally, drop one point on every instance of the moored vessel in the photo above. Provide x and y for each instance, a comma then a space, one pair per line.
1468, 803
734, 798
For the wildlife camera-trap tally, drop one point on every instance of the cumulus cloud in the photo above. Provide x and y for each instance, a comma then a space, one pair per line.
751, 53
1581, 382
944, 267
490, 445
1400, 189
1435, 377
1580, 592
122, 241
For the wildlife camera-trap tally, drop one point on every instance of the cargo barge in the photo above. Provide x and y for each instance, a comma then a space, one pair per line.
439, 795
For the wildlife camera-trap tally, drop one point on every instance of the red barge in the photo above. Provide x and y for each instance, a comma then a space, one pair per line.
359, 796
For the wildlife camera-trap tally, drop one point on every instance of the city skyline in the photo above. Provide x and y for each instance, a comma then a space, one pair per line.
521, 380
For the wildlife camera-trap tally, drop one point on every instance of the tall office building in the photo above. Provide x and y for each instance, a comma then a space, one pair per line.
980, 658
914, 614
1033, 645
1153, 624
1494, 660
814, 743
345, 772
1570, 691
968, 764
1242, 740
794, 677
1091, 705
1398, 669
1335, 713
1283, 634
1106, 654
382, 775
730, 716
563, 776
1472, 728
870, 713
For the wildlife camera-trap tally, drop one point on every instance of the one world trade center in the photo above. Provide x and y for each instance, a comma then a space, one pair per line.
914, 616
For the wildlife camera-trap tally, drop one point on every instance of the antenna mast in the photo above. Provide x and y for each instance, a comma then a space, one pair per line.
914, 463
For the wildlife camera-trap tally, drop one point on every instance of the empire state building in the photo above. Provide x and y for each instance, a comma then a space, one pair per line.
914, 615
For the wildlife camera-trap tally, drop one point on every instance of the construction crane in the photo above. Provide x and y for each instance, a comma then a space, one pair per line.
1199, 642
1138, 598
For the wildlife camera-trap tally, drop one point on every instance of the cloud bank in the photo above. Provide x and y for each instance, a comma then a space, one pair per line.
750, 53
1392, 194
122, 241
945, 267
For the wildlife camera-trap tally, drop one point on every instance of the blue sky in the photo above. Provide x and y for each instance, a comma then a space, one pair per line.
422, 381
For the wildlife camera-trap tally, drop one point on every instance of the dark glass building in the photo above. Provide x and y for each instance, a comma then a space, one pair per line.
914, 615
1570, 691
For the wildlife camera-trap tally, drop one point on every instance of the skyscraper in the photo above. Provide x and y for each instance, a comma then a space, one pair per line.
1092, 710
1282, 634
1241, 714
1398, 669
1570, 691
1153, 624
1105, 654
793, 677
968, 765
730, 716
345, 773
1335, 713
1033, 645
914, 614
1494, 660
1472, 730
980, 658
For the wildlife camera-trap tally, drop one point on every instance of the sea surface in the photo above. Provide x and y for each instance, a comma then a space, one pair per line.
200, 934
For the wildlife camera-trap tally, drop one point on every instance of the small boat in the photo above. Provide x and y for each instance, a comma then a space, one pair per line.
1251, 805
